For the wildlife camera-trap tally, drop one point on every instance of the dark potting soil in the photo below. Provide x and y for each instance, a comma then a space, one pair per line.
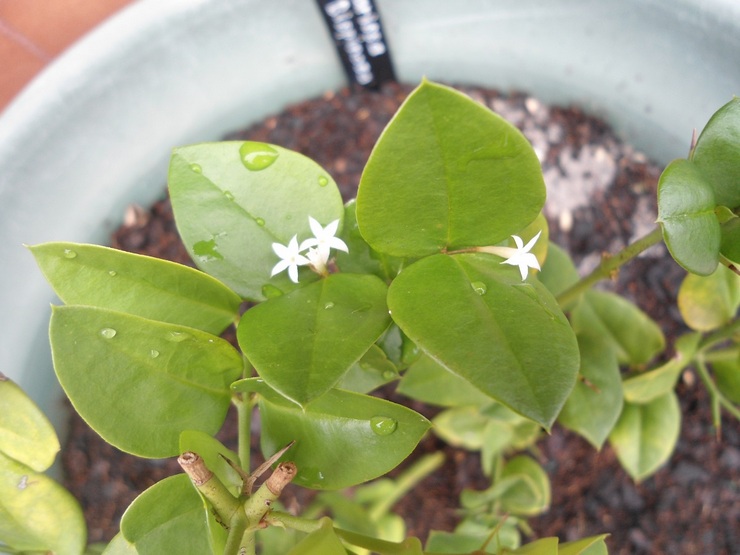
601, 196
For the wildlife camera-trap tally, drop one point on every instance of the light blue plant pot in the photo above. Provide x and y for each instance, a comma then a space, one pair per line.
93, 132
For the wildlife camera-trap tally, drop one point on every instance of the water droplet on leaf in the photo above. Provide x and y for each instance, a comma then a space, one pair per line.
329, 305
229, 195
383, 425
108, 333
206, 251
69, 253
196, 168
112, 273
260, 222
257, 156
177, 336
323, 181
389, 375
479, 287
154, 353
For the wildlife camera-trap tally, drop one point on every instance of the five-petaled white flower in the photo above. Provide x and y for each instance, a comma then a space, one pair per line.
290, 258
522, 257
324, 239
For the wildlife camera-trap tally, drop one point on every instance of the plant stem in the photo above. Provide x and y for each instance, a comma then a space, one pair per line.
718, 399
207, 483
719, 335
287, 520
609, 265
244, 406
406, 482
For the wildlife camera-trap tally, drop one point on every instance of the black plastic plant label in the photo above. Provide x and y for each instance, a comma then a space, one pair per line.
358, 34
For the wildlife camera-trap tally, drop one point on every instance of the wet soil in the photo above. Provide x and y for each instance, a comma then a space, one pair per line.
601, 195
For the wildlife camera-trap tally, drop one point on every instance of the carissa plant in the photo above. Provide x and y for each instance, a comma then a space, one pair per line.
439, 278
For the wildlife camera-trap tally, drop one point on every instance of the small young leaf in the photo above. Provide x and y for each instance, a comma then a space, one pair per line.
727, 376
708, 302
447, 173
230, 211
593, 545
506, 337
140, 383
148, 287
596, 401
169, 517
342, 438
530, 494
323, 541
690, 227
447, 542
36, 513
630, 332
303, 343
730, 242
646, 435
461, 427
26, 435
647, 386
717, 153
544, 546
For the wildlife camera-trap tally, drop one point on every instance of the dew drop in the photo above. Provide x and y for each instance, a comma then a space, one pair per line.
229, 195
69, 253
112, 273
329, 305
108, 333
389, 375
270, 291
177, 336
196, 168
154, 353
383, 425
260, 222
323, 181
257, 156
479, 287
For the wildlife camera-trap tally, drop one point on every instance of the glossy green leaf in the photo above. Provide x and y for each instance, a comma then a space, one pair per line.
730, 242
461, 427
302, 343
529, 492
690, 227
447, 173
717, 153
646, 435
323, 541
342, 438
36, 513
447, 542
727, 377
593, 545
428, 381
26, 435
635, 338
708, 302
361, 258
140, 383
216, 457
596, 401
558, 272
544, 546
506, 337
373, 370
647, 386
148, 287
120, 546
229, 209
169, 517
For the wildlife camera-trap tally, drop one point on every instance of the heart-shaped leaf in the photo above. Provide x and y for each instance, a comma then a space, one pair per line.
506, 337
302, 343
646, 435
447, 173
139, 383
596, 401
26, 435
342, 438
690, 227
169, 517
717, 153
149, 287
233, 200
36, 513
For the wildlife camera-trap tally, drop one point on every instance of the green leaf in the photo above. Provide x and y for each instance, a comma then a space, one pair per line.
544, 546
323, 541
215, 455
342, 438
506, 337
461, 427
730, 242
36, 513
303, 343
596, 401
139, 383
229, 215
727, 376
690, 227
646, 435
447, 542
558, 272
629, 331
147, 287
717, 153
373, 370
428, 381
26, 435
169, 517
529, 491
447, 173
120, 546
647, 386
593, 545
708, 302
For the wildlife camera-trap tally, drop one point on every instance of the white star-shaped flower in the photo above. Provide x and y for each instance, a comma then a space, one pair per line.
323, 240
522, 257
290, 258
